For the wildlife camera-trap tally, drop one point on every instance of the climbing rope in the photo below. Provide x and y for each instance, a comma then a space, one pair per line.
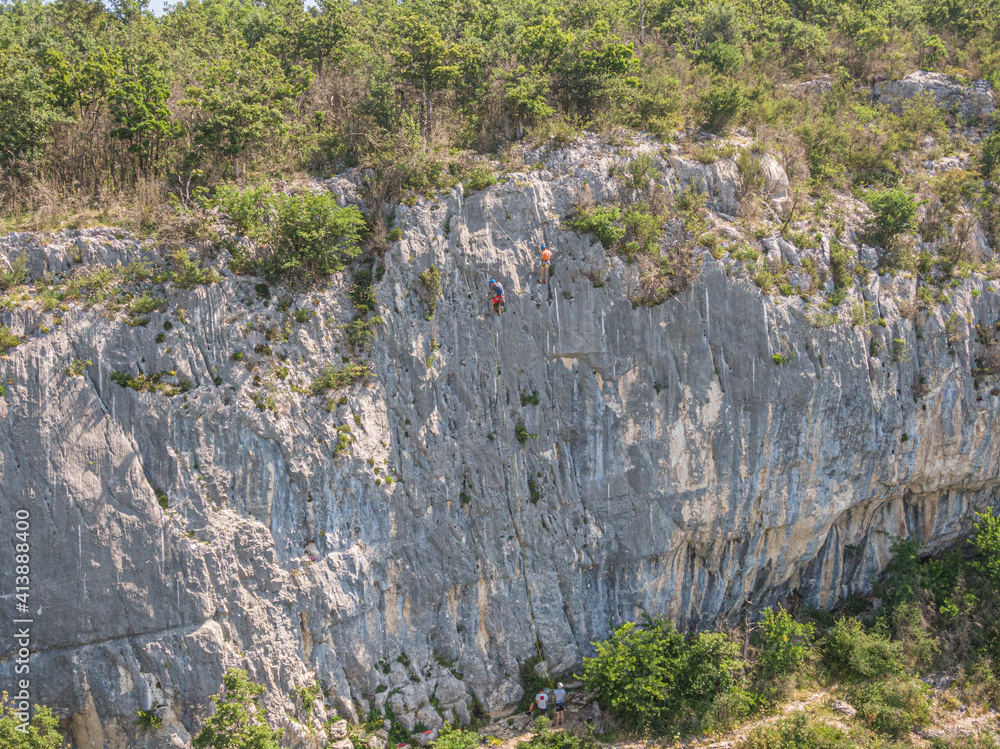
500, 227
519, 519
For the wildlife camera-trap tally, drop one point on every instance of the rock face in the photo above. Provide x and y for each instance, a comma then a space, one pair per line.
974, 101
539, 476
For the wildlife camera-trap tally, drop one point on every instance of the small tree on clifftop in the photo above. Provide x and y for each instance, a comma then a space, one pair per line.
239, 721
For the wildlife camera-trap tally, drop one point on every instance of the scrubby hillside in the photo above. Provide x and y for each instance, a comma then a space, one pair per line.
370, 484
258, 417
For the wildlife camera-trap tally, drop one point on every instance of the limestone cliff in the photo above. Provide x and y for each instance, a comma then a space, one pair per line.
667, 462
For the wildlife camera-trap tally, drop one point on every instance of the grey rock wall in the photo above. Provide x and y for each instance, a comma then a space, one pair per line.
677, 469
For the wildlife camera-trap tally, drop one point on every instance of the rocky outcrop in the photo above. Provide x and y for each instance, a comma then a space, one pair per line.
972, 102
536, 477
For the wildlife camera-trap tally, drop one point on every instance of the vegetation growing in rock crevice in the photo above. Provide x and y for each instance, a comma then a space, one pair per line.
636, 231
8, 339
153, 383
336, 378
430, 289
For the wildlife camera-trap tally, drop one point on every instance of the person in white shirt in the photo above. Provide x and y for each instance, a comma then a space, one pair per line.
541, 702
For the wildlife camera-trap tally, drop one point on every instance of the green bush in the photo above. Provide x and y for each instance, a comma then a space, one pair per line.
643, 168
148, 720
634, 674
894, 210
187, 273
894, 706
643, 227
840, 269
546, 738
7, 339
479, 178
314, 236
360, 332
722, 104
299, 237
153, 383
362, 294
42, 731
430, 289
784, 644
146, 304
77, 367
647, 676
239, 721
711, 668
17, 274
797, 732
455, 738
989, 161
251, 211
335, 378
851, 653
986, 542
910, 630
723, 57
604, 222
523, 435
903, 578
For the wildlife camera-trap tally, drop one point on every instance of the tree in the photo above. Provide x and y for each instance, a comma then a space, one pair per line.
987, 543
634, 674
315, 237
989, 162
239, 721
784, 644
41, 733
138, 104
527, 96
895, 211
721, 104
242, 100
27, 110
592, 65
426, 60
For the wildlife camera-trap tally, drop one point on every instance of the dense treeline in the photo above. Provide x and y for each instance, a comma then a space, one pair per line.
100, 103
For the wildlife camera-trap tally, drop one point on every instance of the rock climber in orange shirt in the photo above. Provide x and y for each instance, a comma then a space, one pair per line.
543, 277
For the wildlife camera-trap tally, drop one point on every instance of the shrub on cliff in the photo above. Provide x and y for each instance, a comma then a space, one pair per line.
298, 237
894, 213
41, 730
603, 222
989, 162
8, 339
239, 721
